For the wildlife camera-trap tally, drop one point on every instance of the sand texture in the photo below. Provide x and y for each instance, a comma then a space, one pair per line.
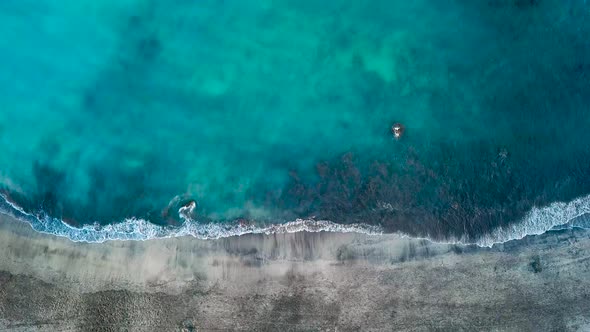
292, 282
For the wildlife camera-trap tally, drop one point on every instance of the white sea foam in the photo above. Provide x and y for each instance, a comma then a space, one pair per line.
537, 221
557, 215
139, 229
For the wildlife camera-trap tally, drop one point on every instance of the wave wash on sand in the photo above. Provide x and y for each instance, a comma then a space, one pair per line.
558, 215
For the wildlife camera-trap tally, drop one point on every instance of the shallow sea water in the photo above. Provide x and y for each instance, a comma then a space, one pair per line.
276, 110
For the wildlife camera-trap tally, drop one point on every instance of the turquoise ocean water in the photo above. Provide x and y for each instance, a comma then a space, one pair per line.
268, 111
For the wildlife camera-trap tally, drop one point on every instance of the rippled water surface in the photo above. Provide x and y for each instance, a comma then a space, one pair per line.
264, 112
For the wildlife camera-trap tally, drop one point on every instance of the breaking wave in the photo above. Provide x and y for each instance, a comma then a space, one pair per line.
556, 216
139, 229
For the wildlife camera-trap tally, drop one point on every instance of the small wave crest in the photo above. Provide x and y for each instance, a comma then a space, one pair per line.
556, 216
139, 229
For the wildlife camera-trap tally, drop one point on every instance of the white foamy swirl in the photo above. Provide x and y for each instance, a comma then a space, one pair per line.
537, 221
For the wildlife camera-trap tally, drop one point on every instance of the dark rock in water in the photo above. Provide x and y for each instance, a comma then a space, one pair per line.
398, 130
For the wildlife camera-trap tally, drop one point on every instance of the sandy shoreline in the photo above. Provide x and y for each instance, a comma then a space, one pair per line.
301, 281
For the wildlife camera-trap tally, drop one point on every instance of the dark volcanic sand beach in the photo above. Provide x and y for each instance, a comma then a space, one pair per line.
292, 282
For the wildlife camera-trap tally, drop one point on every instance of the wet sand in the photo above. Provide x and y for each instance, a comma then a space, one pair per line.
292, 282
